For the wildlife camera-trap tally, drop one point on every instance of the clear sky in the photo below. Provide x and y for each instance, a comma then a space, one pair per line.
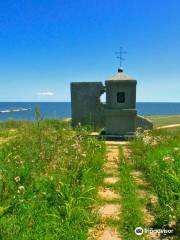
44, 45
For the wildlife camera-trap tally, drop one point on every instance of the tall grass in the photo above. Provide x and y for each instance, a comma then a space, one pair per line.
131, 214
157, 154
48, 178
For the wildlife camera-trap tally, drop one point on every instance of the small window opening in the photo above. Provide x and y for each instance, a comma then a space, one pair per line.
121, 97
103, 98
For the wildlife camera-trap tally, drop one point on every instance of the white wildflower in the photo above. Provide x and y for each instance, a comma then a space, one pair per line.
17, 179
168, 159
21, 189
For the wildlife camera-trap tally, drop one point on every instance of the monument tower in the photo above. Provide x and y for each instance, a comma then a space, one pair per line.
118, 116
120, 109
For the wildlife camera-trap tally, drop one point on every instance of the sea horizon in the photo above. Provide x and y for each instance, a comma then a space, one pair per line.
26, 110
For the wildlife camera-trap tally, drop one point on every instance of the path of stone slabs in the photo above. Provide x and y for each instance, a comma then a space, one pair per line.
110, 201
109, 208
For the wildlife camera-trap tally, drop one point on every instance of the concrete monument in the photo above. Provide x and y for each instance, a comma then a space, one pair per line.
118, 116
120, 109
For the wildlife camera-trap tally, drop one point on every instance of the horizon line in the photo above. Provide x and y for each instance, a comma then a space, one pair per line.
70, 102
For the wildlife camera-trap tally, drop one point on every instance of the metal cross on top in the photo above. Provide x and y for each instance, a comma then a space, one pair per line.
120, 56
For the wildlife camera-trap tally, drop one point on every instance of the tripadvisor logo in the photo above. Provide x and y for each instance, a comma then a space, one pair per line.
139, 231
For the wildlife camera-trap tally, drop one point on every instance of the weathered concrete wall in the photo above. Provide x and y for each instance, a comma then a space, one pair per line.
128, 87
120, 121
85, 103
144, 123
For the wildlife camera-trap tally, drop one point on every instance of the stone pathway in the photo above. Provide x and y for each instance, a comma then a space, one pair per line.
107, 194
110, 209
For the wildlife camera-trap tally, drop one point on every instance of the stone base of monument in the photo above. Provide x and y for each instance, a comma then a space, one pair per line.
116, 137
113, 137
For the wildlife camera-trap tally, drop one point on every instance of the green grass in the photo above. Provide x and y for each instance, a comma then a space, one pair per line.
131, 213
157, 155
161, 120
49, 174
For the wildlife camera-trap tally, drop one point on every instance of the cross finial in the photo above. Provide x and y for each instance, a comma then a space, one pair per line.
120, 56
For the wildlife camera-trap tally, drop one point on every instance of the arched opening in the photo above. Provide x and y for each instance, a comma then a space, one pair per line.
103, 98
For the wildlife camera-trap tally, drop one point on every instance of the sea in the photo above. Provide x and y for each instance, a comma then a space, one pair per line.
26, 110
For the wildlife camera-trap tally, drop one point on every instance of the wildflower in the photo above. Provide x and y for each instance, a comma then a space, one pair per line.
139, 129
168, 159
172, 222
21, 189
154, 143
147, 132
17, 179
153, 199
147, 140
176, 149
79, 124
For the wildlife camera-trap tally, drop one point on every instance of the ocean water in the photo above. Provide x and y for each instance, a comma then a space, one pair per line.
25, 110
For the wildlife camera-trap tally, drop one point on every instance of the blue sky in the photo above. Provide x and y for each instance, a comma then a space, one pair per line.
44, 45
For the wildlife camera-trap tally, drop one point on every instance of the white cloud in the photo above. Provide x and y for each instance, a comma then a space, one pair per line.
48, 93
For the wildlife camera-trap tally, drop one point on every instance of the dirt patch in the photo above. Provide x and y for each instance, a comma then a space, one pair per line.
12, 130
109, 234
111, 165
113, 155
148, 217
127, 152
142, 194
102, 232
136, 173
110, 211
111, 180
169, 126
153, 199
5, 140
154, 236
116, 143
137, 177
108, 194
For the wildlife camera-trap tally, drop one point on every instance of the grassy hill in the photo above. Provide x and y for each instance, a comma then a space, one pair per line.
161, 120
50, 175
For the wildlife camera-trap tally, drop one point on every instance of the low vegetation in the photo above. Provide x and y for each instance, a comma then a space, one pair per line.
157, 155
49, 174
161, 120
131, 214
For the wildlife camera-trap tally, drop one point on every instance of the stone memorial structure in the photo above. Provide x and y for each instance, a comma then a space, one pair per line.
118, 116
120, 109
